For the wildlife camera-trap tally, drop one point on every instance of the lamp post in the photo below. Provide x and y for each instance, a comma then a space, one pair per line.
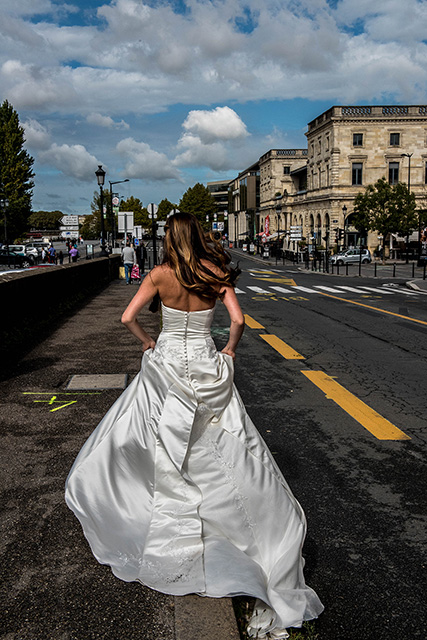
344, 212
4, 203
100, 176
409, 156
113, 234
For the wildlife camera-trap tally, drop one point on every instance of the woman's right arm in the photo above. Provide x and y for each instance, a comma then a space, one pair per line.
237, 321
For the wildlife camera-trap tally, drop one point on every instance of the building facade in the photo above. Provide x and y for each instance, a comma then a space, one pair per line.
348, 148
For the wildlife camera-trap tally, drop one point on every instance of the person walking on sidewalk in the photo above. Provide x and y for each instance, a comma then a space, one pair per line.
128, 256
176, 489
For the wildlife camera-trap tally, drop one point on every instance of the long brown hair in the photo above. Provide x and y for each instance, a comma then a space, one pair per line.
185, 246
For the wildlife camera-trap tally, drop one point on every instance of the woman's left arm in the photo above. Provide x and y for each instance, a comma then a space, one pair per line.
145, 294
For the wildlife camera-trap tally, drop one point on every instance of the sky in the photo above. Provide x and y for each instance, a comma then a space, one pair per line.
173, 92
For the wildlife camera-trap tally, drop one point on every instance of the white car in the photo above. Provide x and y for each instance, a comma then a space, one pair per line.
352, 256
25, 249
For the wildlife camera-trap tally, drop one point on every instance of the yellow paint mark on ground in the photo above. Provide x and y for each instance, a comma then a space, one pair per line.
288, 281
252, 324
284, 349
381, 428
367, 306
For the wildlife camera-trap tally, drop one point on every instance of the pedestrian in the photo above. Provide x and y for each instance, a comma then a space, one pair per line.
44, 255
61, 257
176, 488
52, 254
141, 254
128, 257
74, 253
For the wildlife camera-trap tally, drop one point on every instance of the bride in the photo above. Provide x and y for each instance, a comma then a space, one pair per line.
176, 488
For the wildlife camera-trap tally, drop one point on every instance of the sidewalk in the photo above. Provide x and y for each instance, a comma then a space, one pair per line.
404, 271
52, 587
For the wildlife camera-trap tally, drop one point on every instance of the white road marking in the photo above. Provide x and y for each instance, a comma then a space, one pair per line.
352, 289
318, 286
238, 290
377, 290
259, 290
281, 289
305, 289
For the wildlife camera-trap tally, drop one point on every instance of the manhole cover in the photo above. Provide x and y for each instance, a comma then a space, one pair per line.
98, 381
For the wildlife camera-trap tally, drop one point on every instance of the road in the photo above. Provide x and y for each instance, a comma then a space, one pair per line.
334, 380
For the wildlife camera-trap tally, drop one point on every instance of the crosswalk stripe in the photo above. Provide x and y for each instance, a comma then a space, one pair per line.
377, 290
400, 290
236, 290
281, 290
352, 289
318, 286
259, 290
305, 289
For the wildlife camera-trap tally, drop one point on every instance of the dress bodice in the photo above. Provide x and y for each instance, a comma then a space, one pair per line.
186, 324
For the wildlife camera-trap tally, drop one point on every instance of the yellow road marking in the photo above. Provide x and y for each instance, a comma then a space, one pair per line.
252, 324
381, 428
284, 349
367, 306
287, 281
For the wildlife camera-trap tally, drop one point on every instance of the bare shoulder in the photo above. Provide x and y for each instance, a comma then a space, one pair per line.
160, 273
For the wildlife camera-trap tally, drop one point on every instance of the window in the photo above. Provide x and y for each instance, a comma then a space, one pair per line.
394, 139
357, 139
286, 171
356, 177
327, 144
393, 172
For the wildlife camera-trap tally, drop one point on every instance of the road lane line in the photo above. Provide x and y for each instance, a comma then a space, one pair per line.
282, 290
259, 290
284, 349
380, 427
367, 306
252, 324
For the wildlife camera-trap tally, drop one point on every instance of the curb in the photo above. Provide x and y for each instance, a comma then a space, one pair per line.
203, 618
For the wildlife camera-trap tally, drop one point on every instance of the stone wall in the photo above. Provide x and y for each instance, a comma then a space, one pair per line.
33, 301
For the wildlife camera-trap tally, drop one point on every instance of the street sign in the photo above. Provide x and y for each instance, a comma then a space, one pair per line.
70, 221
70, 229
220, 226
125, 221
152, 210
115, 201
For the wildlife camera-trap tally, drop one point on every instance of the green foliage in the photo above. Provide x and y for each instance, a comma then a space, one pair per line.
45, 219
199, 201
386, 209
165, 207
15, 172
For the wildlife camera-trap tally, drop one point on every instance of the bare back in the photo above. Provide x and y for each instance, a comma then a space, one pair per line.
174, 295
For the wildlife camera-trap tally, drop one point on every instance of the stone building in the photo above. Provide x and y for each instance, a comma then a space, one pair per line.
349, 147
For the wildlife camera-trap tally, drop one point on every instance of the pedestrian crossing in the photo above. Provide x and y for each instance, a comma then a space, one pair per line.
336, 290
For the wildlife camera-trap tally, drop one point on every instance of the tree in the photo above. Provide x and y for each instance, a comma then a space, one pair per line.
15, 173
386, 209
165, 207
199, 201
45, 219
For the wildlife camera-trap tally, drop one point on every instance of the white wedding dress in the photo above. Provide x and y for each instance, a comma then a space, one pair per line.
176, 488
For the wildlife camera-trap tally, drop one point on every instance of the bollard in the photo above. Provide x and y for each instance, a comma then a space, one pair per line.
375, 270
413, 269
424, 271
346, 268
394, 270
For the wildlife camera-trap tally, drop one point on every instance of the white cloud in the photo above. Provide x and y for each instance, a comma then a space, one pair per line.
221, 123
71, 160
197, 154
145, 163
105, 121
36, 135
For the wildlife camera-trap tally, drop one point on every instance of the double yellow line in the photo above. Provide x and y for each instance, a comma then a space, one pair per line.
376, 424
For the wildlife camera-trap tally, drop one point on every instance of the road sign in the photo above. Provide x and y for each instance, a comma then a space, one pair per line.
125, 221
152, 210
115, 201
70, 221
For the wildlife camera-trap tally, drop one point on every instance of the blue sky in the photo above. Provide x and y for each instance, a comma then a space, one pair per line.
174, 92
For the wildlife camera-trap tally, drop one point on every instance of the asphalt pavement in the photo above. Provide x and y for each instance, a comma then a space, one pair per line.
52, 588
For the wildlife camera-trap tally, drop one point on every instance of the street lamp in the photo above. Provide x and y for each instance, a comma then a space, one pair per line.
4, 204
344, 212
111, 206
100, 176
409, 156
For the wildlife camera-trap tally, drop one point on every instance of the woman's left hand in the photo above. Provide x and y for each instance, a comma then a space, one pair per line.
229, 352
148, 345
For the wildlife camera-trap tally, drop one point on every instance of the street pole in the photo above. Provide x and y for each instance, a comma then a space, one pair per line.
409, 156
4, 203
113, 218
152, 212
100, 175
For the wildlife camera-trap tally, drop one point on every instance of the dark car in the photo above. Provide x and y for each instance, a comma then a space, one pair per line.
16, 259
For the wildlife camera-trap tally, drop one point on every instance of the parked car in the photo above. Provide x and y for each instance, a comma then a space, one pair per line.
351, 256
38, 245
16, 259
24, 249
